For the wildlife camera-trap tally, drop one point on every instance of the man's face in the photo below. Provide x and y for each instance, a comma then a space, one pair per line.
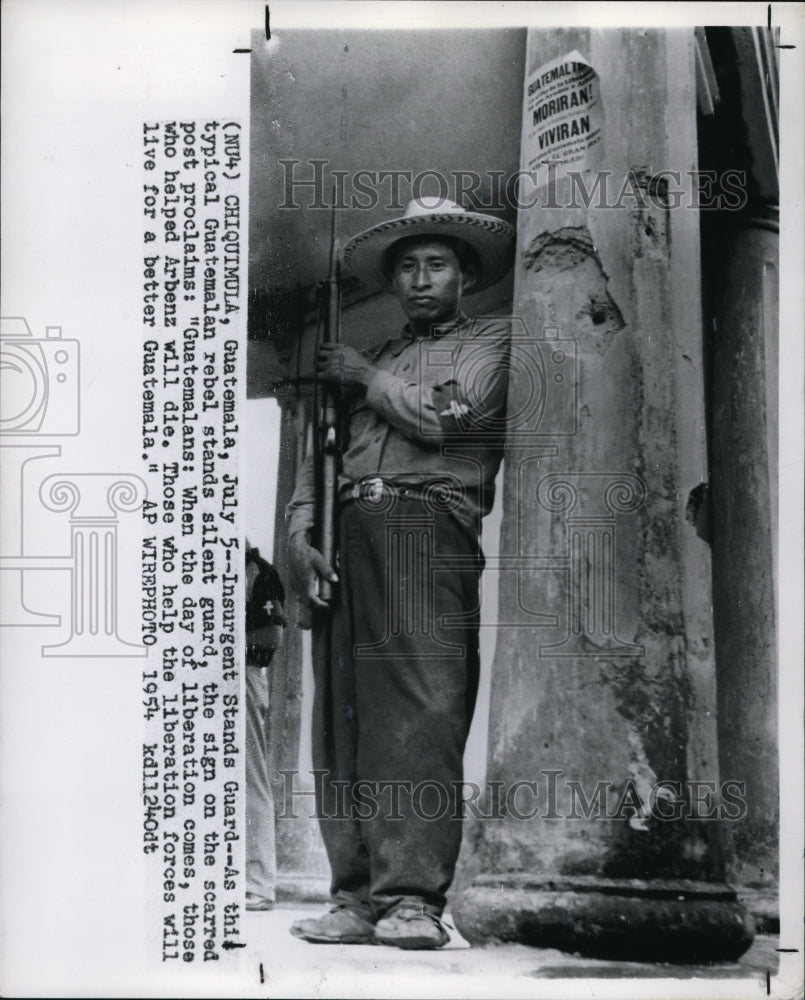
427, 280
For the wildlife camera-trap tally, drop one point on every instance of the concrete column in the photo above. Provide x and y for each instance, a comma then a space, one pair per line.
603, 763
744, 460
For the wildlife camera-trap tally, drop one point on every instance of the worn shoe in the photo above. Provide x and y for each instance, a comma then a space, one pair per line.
340, 926
411, 927
257, 903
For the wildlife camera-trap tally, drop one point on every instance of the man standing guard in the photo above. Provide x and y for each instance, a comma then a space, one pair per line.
394, 700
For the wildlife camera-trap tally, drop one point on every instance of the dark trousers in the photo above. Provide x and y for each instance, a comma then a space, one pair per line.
393, 704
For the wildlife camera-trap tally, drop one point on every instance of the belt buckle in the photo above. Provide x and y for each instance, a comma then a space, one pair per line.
375, 488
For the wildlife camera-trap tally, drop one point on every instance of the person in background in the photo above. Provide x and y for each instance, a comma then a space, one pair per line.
265, 622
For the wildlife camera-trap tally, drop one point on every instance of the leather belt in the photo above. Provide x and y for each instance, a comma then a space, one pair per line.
377, 489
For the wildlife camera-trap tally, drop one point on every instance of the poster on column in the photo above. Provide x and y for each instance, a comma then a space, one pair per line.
196, 195
563, 119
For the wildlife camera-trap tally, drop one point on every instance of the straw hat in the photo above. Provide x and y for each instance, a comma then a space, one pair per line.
491, 239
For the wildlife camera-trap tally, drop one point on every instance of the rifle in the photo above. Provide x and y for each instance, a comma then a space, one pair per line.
327, 459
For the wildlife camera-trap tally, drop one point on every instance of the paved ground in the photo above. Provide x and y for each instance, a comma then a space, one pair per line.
292, 968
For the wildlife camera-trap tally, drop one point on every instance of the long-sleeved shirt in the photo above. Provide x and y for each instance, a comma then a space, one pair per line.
433, 413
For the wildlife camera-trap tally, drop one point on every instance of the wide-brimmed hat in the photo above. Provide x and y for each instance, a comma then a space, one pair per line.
490, 239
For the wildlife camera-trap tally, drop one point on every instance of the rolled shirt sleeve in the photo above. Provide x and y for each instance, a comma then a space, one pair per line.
407, 406
471, 398
299, 514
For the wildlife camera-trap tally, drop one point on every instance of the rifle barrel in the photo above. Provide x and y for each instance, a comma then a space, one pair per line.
329, 429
